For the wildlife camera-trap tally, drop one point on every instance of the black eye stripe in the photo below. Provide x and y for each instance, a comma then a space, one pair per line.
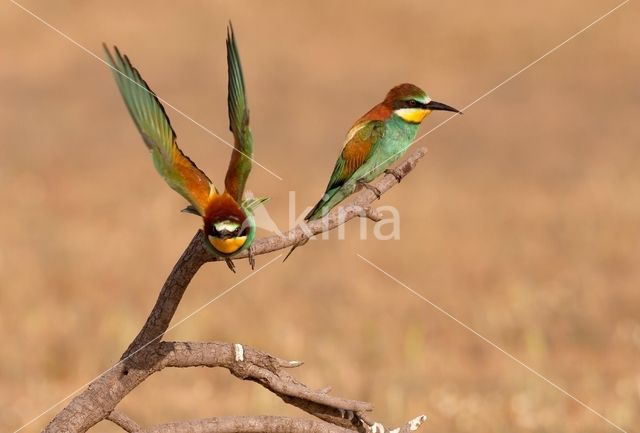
409, 103
412, 103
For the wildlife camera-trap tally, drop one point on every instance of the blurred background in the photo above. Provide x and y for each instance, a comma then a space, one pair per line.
522, 221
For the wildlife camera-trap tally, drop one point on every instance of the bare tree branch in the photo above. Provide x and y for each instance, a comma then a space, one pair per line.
251, 424
359, 207
170, 296
248, 424
147, 354
257, 366
124, 422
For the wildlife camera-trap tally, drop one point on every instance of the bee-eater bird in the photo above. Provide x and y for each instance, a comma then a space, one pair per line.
374, 142
228, 219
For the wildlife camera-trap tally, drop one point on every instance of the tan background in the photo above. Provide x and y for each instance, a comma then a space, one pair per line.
522, 221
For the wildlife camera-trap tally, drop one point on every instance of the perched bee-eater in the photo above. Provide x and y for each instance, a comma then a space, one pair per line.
374, 142
228, 219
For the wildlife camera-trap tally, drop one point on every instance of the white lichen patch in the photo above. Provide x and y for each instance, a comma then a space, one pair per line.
239, 352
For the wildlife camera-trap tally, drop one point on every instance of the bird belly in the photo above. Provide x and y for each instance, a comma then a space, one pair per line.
393, 145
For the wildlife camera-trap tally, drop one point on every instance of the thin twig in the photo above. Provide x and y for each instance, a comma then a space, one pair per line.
124, 422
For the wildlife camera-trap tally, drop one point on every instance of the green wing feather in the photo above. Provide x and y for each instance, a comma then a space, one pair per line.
253, 203
240, 163
355, 153
150, 118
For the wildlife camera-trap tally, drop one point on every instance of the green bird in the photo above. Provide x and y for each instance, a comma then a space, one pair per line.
228, 219
374, 142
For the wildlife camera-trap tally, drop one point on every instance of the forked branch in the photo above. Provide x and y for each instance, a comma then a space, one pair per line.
147, 354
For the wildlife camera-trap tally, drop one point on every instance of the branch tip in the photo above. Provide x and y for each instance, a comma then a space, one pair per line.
415, 423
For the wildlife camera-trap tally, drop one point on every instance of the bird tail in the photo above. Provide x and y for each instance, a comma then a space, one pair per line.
319, 210
299, 244
328, 201
289, 253
312, 213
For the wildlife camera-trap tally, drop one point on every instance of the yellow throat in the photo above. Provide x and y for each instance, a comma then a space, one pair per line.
412, 115
227, 246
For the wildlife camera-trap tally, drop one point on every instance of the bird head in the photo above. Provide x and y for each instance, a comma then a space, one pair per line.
229, 236
412, 104
229, 228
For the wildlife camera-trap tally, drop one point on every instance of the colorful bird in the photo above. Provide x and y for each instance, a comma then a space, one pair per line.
374, 142
228, 219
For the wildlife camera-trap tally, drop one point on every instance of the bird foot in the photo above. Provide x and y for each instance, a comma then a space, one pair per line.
230, 264
252, 258
394, 173
370, 187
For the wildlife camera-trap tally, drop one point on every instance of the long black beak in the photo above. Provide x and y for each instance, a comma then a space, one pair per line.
433, 105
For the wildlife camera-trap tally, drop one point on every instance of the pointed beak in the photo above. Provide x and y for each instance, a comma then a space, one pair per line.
433, 105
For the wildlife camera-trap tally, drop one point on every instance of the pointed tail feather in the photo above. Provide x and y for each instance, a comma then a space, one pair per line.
330, 200
319, 210
299, 244
289, 253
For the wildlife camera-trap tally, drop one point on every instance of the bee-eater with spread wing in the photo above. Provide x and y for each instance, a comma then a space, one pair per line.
374, 142
228, 219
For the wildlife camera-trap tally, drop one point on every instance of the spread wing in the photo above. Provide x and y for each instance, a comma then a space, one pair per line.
240, 163
360, 141
148, 114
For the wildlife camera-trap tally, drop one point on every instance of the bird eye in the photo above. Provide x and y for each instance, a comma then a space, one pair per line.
412, 103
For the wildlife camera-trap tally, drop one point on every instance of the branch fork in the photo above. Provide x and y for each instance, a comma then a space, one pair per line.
148, 353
